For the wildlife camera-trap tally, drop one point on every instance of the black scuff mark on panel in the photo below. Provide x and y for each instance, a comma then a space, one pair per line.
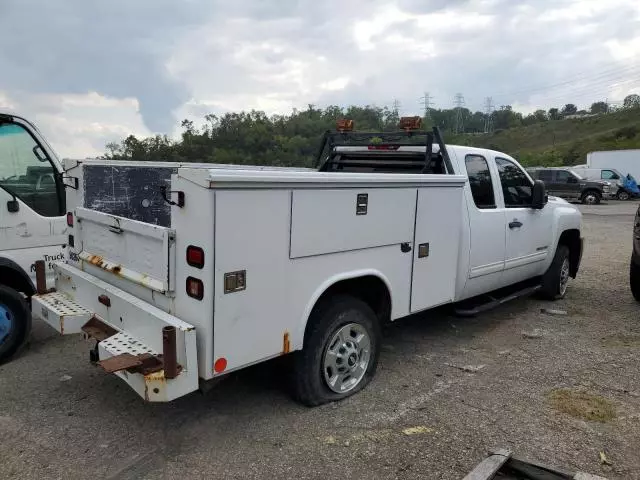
129, 191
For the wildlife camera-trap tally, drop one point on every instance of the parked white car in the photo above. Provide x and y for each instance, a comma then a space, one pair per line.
239, 265
32, 223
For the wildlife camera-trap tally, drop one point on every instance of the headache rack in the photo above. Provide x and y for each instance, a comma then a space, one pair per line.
347, 151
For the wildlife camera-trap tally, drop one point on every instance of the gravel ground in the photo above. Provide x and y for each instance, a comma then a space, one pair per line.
62, 418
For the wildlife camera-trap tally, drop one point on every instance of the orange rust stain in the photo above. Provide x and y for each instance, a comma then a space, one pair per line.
96, 260
286, 343
155, 377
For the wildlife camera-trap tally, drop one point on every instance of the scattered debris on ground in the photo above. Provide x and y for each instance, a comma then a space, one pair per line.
417, 430
466, 368
536, 333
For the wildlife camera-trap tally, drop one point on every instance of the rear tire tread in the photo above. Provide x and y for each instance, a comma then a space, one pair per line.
307, 383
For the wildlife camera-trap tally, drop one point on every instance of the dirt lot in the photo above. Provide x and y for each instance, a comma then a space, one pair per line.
62, 418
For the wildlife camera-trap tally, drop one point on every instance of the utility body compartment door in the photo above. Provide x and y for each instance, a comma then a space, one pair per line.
435, 252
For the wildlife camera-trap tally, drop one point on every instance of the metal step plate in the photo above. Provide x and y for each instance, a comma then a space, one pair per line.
60, 311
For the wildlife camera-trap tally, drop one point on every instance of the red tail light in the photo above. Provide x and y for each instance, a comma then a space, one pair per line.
195, 256
195, 288
69, 219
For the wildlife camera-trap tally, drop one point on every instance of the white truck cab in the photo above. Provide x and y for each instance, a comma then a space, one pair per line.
182, 273
32, 223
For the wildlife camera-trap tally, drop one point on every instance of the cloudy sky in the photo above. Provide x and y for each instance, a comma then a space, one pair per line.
89, 72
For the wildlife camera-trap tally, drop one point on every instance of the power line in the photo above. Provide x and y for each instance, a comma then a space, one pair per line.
426, 102
459, 103
602, 77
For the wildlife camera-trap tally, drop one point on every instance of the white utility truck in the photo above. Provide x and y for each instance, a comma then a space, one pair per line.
184, 273
32, 223
625, 161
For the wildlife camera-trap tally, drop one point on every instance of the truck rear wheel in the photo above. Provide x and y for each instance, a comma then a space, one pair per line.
340, 353
591, 197
15, 322
634, 280
556, 279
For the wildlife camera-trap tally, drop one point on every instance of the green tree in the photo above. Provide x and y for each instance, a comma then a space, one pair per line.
569, 109
599, 107
631, 101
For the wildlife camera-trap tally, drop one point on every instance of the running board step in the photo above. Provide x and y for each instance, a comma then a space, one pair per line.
495, 302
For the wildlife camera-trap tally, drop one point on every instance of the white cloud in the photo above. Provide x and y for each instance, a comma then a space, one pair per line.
107, 74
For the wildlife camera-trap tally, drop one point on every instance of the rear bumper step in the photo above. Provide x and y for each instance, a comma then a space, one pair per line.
152, 351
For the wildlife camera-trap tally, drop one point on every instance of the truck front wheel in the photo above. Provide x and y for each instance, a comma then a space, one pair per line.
556, 279
340, 352
15, 322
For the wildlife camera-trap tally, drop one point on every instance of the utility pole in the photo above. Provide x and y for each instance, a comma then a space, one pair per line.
488, 112
426, 102
459, 103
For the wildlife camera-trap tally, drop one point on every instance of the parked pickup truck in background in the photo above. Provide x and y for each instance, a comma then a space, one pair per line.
183, 273
566, 183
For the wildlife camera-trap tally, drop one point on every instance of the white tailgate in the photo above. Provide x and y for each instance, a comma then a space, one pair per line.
138, 251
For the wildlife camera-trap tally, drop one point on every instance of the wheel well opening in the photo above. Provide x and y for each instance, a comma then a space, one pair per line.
370, 289
16, 280
571, 239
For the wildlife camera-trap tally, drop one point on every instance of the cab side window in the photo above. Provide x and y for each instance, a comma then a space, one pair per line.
609, 175
480, 181
516, 186
26, 172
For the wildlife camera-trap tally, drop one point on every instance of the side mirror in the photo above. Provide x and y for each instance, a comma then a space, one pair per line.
538, 195
13, 206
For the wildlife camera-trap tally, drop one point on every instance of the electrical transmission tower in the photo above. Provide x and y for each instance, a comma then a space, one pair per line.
488, 115
396, 107
426, 102
459, 103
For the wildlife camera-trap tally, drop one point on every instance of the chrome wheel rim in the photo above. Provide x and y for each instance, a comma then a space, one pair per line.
564, 277
346, 358
623, 196
590, 199
6, 323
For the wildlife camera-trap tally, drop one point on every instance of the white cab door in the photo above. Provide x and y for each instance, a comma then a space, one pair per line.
528, 231
32, 225
486, 226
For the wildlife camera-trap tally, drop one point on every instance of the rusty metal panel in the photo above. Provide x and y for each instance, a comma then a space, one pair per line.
120, 362
129, 191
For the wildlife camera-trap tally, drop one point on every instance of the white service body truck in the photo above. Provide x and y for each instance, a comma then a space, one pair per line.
32, 223
240, 265
625, 161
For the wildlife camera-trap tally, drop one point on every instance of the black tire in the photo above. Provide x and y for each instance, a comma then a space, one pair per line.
624, 196
634, 280
552, 288
17, 320
589, 195
308, 383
